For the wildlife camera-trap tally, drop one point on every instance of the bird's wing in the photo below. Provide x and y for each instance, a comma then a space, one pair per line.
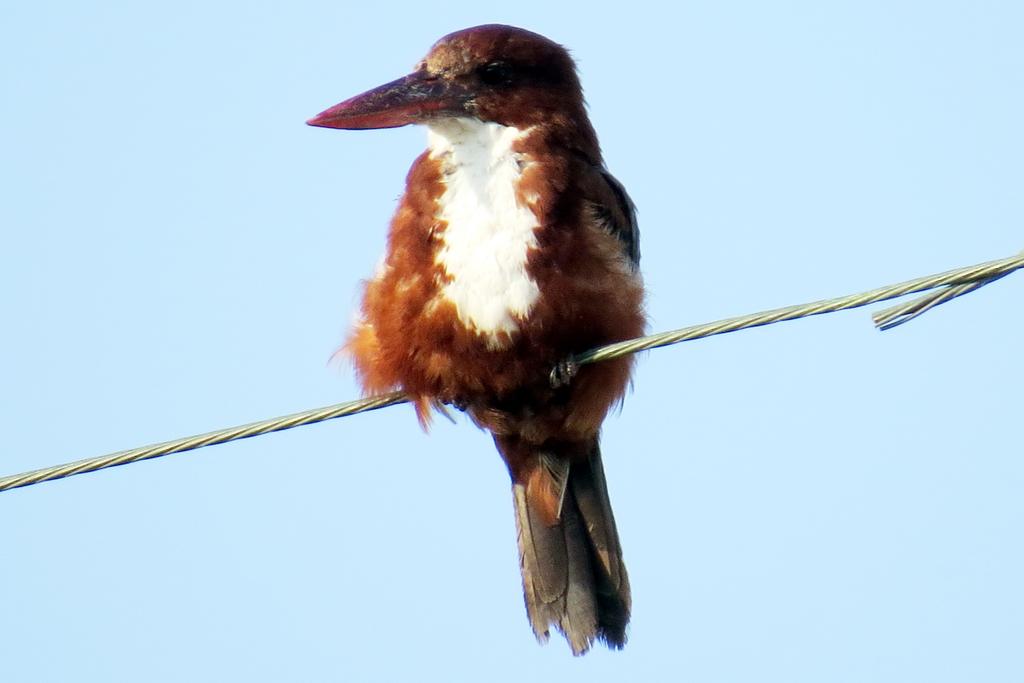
614, 211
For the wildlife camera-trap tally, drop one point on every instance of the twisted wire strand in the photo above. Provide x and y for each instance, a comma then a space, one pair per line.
955, 283
903, 313
190, 443
978, 274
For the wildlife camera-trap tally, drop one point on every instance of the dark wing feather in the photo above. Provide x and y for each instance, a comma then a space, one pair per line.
615, 211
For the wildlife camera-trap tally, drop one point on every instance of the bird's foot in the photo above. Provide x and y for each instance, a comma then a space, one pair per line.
563, 373
459, 404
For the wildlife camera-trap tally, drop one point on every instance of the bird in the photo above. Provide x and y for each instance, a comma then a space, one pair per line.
511, 250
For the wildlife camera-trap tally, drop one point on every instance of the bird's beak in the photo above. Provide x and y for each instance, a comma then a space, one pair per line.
411, 99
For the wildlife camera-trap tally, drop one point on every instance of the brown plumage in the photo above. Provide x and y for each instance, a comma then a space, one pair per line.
511, 250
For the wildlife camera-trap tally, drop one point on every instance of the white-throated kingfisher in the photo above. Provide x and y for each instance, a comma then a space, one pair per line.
512, 249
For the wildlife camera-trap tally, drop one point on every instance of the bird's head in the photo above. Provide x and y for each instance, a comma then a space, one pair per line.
494, 73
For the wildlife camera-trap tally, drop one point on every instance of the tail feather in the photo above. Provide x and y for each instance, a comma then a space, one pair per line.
613, 591
573, 575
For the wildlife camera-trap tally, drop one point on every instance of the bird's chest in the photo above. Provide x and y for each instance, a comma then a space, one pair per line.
486, 228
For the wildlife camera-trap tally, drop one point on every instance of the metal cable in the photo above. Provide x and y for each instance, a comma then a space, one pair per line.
905, 312
957, 282
990, 270
190, 443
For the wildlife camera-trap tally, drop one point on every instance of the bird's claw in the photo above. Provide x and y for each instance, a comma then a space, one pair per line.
563, 373
459, 404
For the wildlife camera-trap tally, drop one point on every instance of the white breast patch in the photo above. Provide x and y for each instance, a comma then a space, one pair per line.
489, 233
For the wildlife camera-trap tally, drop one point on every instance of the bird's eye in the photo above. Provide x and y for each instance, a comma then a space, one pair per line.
496, 73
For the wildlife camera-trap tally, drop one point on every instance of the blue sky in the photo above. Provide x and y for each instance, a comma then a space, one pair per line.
810, 501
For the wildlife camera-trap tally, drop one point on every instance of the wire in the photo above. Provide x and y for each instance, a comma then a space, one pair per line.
954, 283
190, 443
978, 274
905, 312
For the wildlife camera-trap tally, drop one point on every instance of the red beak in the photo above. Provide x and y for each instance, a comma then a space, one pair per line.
410, 99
